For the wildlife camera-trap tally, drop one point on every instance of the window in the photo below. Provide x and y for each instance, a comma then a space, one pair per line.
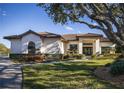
88, 50
105, 50
31, 47
87, 43
73, 46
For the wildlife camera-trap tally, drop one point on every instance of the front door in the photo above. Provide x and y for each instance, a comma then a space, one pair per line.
31, 47
87, 51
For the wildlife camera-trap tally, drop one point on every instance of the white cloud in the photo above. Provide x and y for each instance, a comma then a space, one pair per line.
68, 28
4, 13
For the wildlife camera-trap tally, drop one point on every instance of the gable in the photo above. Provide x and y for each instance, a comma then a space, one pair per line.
40, 34
31, 37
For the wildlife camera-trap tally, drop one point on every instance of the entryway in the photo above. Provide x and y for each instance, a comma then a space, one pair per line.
88, 51
31, 47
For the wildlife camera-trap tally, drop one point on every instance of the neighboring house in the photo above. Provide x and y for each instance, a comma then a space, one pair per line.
50, 43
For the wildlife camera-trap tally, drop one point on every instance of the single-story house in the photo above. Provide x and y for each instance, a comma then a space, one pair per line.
51, 43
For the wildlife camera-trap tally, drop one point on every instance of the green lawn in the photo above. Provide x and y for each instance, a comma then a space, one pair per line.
65, 75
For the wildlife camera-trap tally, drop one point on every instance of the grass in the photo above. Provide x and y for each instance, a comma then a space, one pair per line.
65, 75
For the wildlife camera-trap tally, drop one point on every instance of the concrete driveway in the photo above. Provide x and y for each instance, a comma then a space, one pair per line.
10, 74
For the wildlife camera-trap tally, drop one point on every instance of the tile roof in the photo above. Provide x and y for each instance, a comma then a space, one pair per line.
89, 35
48, 34
12, 37
41, 34
75, 36
103, 39
70, 36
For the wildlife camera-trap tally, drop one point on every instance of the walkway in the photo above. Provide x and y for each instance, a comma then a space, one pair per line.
10, 74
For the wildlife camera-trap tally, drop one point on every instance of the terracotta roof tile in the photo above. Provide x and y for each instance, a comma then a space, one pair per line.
48, 34
70, 36
89, 35
75, 36
12, 37
103, 39
44, 34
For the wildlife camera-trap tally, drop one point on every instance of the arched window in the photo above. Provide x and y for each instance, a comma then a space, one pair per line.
31, 47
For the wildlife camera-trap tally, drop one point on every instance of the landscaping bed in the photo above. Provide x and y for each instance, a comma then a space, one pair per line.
113, 73
104, 73
65, 75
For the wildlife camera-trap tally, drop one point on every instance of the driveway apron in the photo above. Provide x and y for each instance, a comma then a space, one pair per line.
10, 74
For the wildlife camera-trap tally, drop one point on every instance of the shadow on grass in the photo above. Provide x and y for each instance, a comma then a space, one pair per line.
63, 75
48, 85
61, 66
86, 84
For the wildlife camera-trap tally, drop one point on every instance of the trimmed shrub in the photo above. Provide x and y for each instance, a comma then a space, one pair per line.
39, 58
66, 56
51, 57
117, 68
19, 57
73, 56
108, 56
78, 56
94, 56
27, 57
108, 64
36, 57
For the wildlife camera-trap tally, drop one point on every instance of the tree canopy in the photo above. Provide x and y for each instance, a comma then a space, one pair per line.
3, 49
108, 18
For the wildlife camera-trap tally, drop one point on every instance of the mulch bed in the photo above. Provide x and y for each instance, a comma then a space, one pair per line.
103, 73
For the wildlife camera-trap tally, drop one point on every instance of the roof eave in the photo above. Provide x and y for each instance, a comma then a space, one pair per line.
105, 41
9, 38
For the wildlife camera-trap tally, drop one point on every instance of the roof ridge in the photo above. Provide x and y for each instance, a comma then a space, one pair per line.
82, 34
69, 34
31, 31
93, 33
48, 33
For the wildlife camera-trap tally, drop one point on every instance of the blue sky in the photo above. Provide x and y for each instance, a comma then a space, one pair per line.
19, 18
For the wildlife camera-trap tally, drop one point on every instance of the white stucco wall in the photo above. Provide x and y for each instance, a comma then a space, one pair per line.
94, 41
65, 44
97, 47
80, 49
52, 46
26, 39
62, 48
15, 46
72, 42
46, 45
106, 44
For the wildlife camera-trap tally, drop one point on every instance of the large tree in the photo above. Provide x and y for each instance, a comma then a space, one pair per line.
108, 18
